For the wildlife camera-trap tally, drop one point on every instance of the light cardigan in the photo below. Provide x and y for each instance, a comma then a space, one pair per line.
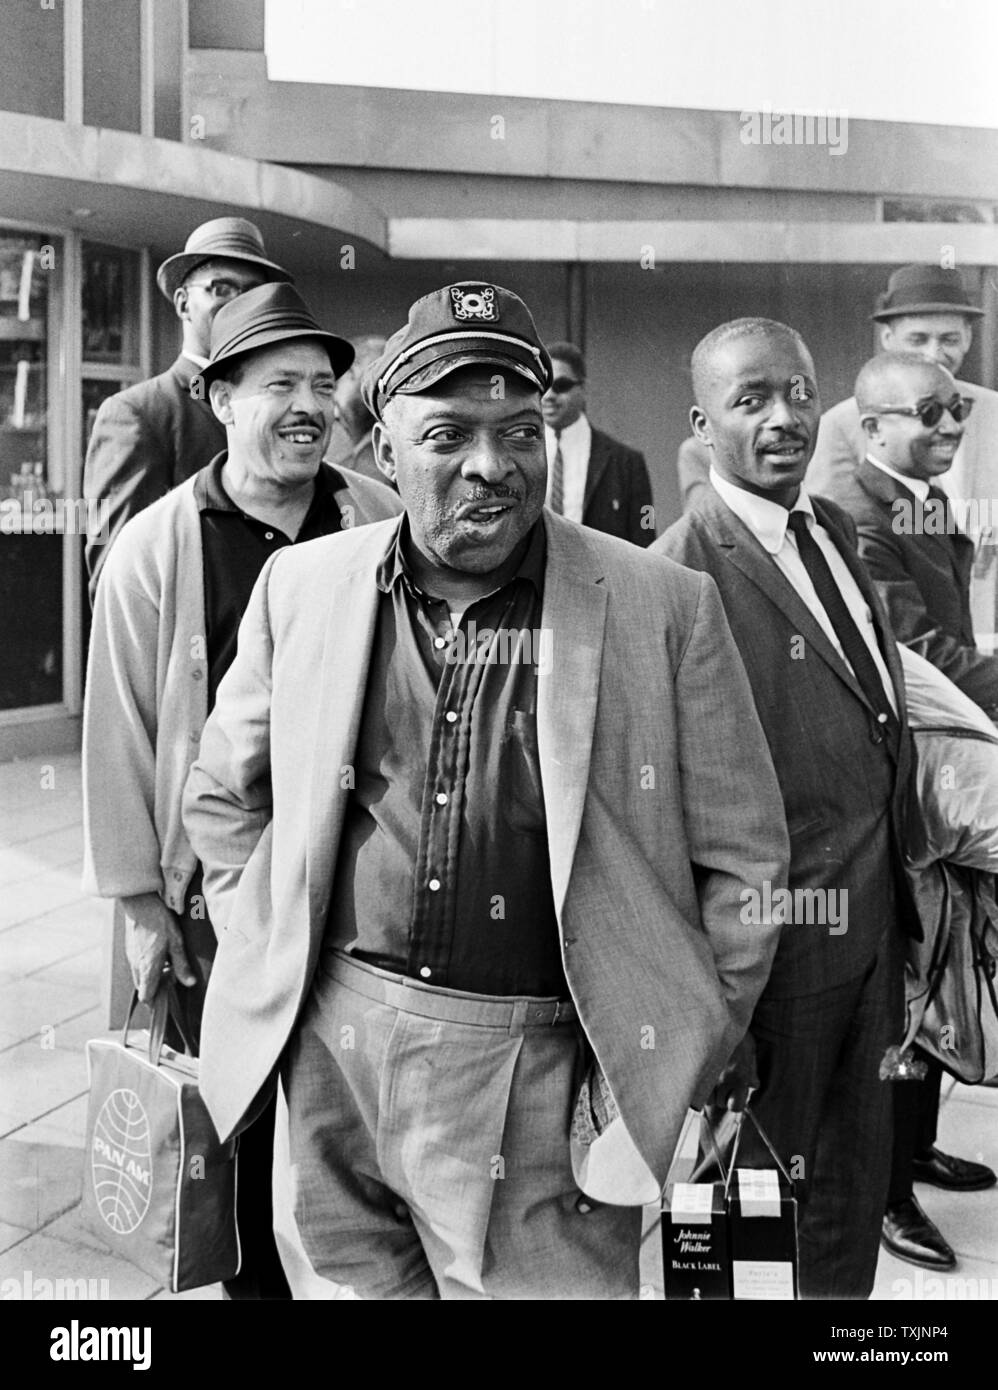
147, 692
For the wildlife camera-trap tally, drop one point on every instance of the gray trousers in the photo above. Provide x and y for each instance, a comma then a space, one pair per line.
429, 1140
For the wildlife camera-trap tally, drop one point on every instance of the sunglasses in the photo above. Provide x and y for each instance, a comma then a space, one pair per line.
561, 384
931, 412
218, 289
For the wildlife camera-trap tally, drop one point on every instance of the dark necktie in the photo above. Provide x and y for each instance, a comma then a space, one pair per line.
950, 530
557, 502
856, 651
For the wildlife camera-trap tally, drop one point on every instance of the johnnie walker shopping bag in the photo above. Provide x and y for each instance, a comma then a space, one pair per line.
158, 1187
732, 1239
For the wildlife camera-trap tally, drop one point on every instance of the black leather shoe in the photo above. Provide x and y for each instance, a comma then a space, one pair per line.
958, 1174
910, 1235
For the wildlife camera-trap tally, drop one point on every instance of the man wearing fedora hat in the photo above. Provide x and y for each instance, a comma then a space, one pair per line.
456, 855
168, 607
926, 310
153, 435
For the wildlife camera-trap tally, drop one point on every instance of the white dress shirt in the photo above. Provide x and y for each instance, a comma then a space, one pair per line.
768, 523
576, 442
201, 362
916, 485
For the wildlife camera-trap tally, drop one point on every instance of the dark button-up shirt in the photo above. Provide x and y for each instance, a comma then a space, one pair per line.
443, 871
236, 547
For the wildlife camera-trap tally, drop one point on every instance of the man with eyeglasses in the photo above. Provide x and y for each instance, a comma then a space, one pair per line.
913, 417
592, 478
154, 435
910, 536
926, 310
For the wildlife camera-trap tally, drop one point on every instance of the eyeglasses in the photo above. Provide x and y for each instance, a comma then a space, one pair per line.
931, 412
561, 384
219, 289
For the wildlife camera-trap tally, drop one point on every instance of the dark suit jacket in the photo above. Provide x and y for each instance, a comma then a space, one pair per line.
923, 578
845, 797
145, 441
617, 490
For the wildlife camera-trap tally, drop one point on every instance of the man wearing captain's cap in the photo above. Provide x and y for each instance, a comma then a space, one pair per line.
476, 833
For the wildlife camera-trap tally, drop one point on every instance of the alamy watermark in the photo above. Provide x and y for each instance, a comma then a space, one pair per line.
800, 907
504, 646
768, 127
37, 514
973, 516
30, 1287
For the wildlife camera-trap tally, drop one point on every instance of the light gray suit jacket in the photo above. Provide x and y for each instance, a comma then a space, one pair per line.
663, 811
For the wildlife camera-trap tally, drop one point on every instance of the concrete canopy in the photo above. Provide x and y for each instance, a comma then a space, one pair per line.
138, 191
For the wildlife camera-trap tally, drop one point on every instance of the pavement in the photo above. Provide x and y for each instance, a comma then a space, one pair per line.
51, 951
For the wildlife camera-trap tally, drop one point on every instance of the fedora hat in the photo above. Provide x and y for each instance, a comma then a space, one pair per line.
263, 316
924, 289
457, 326
228, 238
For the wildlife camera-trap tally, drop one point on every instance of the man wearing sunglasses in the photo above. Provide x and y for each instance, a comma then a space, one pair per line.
913, 417
926, 310
920, 558
592, 477
154, 435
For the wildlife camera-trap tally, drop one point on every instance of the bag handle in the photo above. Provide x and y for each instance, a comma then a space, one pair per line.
160, 1011
734, 1148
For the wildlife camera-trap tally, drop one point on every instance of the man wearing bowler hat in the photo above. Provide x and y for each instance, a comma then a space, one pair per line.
926, 310
155, 434
469, 881
168, 608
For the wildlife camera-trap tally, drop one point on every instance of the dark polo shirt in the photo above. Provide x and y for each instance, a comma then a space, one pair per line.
443, 870
236, 547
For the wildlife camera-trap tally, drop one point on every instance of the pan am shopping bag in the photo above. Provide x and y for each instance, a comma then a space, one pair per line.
158, 1187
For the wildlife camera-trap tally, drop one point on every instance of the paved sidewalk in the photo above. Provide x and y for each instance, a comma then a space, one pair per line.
51, 944
51, 940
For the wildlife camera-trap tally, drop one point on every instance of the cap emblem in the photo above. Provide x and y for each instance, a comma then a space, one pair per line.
478, 302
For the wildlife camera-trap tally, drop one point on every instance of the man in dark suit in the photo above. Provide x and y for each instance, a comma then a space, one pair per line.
592, 478
926, 310
920, 561
155, 434
828, 687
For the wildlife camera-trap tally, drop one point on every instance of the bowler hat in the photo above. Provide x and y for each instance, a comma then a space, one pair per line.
265, 315
924, 289
223, 238
456, 327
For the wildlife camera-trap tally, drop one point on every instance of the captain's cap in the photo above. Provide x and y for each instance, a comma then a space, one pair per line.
458, 326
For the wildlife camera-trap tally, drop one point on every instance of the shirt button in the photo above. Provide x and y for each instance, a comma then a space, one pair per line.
584, 1207
450, 716
268, 535
441, 798
439, 642
426, 972
434, 885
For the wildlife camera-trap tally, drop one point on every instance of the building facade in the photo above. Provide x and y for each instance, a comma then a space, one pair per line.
631, 230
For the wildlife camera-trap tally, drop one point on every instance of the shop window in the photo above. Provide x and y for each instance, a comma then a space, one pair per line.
30, 557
